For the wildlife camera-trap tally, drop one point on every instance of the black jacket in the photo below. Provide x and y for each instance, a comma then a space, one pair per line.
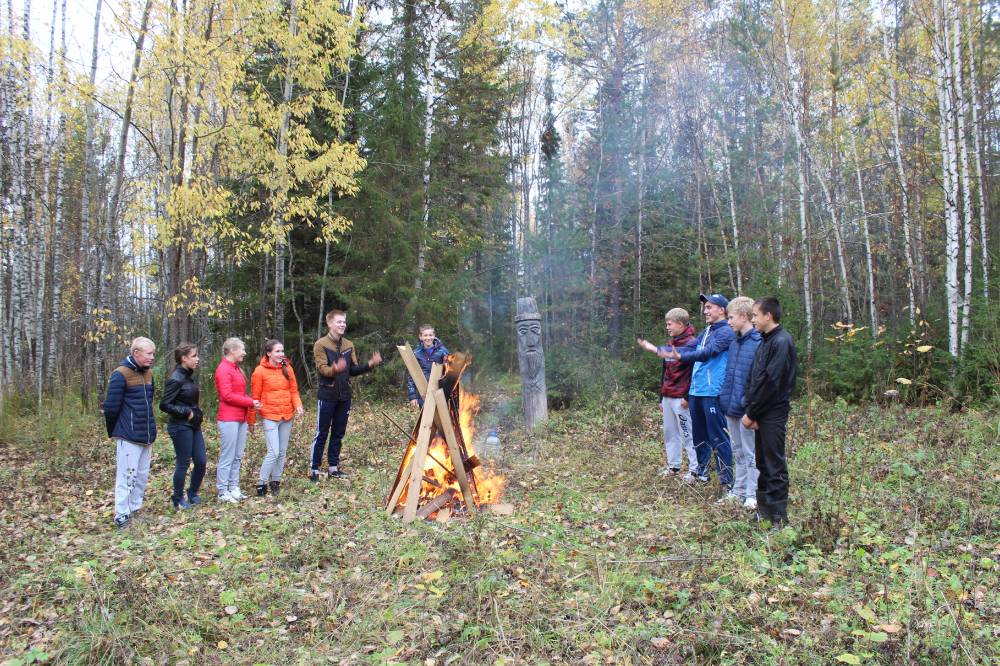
772, 375
180, 399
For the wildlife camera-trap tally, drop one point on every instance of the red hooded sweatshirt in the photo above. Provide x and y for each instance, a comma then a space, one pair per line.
676, 379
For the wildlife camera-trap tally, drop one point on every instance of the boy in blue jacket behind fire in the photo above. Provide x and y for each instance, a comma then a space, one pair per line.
430, 351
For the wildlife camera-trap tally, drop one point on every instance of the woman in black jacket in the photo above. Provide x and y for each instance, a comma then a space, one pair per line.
180, 401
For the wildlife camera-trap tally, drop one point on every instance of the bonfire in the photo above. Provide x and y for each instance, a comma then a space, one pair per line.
440, 475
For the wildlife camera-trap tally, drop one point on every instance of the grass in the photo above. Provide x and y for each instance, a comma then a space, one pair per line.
891, 556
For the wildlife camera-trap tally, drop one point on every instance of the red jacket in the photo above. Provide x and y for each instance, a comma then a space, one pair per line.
231, 385
676, 379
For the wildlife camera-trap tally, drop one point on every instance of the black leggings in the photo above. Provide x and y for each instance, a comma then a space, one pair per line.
189, 445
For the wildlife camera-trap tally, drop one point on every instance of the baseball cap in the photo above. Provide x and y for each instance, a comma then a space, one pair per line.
718, 299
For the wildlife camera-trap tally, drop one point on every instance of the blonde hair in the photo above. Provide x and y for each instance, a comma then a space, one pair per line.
141, 343
741, 305
231, 344
679, 315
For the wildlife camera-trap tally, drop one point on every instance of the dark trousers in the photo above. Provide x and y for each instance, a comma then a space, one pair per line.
331, 420
709, 430
189, 445
772, 485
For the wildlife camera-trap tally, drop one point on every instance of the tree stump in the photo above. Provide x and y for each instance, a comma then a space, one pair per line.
531, 357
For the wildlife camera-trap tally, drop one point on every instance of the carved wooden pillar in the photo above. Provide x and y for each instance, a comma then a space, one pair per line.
532, 361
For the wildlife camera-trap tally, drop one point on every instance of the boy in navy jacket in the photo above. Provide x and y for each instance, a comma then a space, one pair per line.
741, 354
430, 351
131, 423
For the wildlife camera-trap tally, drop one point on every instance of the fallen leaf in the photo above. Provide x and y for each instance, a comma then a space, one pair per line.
792, 632
890, 628
231, 610
848, 658
660, 643
223, 645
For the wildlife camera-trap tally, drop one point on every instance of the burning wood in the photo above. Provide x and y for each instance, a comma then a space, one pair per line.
439, 502
439, 468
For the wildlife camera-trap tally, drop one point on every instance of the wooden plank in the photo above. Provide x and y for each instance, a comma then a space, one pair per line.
424, 436
413, 367
402, 480
453, 449
403, 473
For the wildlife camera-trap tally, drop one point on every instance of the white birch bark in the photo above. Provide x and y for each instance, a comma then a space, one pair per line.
959, 108
429, 94
872, 308
732, 213
901, 176
984, 239
794, 112
942, 58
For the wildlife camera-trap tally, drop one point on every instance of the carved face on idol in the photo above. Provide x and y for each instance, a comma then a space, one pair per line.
529, 339
530, 333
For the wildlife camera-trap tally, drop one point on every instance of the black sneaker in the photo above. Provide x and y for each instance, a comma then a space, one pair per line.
122, 521
261, 489
337, 473
314, 476
193, 498
275, 486
182, 505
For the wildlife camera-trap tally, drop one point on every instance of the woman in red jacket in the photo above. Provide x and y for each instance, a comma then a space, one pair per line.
236, 418
273, 384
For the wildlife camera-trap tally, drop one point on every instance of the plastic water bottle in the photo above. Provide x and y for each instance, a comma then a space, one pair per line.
492, 447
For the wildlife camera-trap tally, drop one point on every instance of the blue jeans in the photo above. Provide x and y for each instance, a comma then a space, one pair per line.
189, 445
331, 420
708, 426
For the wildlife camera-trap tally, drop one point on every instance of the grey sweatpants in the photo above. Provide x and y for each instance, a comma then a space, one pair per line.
276, 435
131, 475
745, 456
232, 443
677, 433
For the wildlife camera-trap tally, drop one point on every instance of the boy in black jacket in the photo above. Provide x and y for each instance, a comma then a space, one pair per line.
768, 399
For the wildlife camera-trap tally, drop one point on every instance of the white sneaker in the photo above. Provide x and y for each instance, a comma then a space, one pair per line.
669, 471
237, 494
728, 498
750, 504
228, 498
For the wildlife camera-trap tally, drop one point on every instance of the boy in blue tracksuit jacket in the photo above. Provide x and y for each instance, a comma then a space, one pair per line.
131, 423
733, 401
708, 424
430, 351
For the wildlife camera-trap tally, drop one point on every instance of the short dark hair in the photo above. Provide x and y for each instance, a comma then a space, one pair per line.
334, 313
769, 305
182, 350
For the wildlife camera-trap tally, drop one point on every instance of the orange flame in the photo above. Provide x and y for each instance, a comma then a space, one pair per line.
438, 467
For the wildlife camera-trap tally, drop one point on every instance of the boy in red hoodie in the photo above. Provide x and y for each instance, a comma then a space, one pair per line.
674, 384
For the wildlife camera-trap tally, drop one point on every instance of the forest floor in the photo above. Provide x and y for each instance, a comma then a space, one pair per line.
891, 557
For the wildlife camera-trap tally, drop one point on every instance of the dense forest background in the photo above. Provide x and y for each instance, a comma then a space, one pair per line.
247, 165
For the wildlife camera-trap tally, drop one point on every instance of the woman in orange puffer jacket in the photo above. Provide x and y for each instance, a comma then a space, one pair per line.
273, 384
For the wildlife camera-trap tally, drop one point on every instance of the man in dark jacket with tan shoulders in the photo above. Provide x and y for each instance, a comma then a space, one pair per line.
335, 364
768, 401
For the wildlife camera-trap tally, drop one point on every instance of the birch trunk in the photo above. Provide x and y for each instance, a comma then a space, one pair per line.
872, 309
984, 234
796, 122
958, 92
732, 214
429, 93
88, 266
288, 87
942, 72
901, 176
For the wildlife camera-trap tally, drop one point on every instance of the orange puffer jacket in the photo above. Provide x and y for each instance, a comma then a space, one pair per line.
279, 396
